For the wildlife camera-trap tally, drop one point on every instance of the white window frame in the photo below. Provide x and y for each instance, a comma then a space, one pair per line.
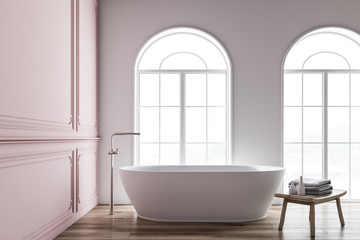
182, 73
325, 141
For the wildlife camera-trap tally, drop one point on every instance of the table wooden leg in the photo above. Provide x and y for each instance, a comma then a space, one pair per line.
340, 212
312, 220
283, 211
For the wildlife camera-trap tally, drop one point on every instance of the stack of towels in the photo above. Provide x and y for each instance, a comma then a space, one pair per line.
315, 186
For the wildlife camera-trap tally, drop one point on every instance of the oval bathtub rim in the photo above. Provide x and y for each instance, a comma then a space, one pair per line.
202, 168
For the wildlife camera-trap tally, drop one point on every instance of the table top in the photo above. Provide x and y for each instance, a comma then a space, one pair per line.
336, 193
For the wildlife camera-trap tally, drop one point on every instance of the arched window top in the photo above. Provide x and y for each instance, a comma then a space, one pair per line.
183, 60
167, 49
329, 47
183, 100
326, 60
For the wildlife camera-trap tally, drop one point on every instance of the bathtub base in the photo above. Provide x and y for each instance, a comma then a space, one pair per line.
203, 220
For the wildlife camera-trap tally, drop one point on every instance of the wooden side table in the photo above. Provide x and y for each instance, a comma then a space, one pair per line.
311, 200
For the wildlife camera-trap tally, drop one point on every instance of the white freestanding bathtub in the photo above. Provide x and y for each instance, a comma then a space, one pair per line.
201, 193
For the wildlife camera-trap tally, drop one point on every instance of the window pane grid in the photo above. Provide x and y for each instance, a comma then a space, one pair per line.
206, 143
333, 59
163, 67
347, 142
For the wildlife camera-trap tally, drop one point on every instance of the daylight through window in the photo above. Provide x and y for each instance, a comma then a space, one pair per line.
321, 109
183, 100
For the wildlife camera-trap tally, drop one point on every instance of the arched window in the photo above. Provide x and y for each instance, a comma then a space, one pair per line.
183, 99
321, 108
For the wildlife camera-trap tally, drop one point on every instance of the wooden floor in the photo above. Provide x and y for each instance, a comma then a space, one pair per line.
124, 224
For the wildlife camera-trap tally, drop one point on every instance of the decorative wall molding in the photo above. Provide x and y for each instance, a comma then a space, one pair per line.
82, 124
22, 123
51, 226
72, 203
48, 153
16, 159
81, 160
92, 126
86, 158
87, 131
36, 165
74, 7
48, 140
96, 4
77, 197
27, 123
76, 64
41, 126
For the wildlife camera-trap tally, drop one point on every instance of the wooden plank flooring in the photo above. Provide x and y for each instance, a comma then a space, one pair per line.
124, 224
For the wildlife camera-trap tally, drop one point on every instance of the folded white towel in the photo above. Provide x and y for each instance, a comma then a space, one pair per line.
312, 182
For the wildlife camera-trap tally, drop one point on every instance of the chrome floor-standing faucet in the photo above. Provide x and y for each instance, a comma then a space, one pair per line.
112, 152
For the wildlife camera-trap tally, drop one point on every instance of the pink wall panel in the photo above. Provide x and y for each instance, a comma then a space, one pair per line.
87, 92
48, 66
35, 60
36, 190
48, 152
86, 177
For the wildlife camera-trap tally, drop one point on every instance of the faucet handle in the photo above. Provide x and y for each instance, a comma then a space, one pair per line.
114, 151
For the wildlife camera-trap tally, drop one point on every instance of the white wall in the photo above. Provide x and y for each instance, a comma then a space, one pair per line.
256, 33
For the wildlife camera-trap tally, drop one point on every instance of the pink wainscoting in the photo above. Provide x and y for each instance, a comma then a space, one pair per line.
87, 177
87, 88
35, 60
48, 63
35, 188
48, 116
